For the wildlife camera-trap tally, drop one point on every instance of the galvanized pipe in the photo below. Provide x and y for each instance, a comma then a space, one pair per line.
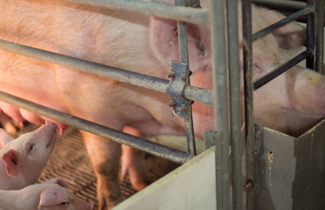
282, 22
219, 68
191, 15
100, 130
235, 104
142, 80
183, 51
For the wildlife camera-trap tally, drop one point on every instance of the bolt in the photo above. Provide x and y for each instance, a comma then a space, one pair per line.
172, 103
171, 74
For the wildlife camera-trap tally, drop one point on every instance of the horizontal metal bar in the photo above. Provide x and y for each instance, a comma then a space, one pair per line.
191, 15
281, 5
282, 22
134, 78
281, 69
100, 130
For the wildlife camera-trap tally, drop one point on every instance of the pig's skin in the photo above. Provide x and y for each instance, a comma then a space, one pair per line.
22, 160
50, 195
143, 44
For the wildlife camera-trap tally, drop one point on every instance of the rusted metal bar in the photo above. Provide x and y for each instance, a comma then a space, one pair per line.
310, 37
142, 80
248, 93
319, 35
281, 23
281, 69
281, 4
235, 104
191, 15
100, 130
219, 68
183, 51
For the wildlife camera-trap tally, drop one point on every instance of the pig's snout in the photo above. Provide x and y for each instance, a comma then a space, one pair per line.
48, 133
84, 205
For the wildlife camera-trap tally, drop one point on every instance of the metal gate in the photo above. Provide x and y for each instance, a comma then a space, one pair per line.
183, 94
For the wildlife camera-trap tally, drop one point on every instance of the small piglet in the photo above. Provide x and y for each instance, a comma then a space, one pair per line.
23, 159
50, 195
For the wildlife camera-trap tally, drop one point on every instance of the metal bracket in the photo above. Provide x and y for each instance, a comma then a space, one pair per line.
175, 89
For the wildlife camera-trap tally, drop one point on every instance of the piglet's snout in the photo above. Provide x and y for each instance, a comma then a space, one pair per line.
84, 205
47, 133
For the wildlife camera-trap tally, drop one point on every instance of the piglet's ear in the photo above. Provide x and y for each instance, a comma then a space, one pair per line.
52, 196
4, 138
58, 181
12, 161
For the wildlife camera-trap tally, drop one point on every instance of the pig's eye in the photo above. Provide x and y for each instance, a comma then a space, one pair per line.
257, 68
30, 147
64, 203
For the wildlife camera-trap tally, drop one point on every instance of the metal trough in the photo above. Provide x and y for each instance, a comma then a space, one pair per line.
290, 172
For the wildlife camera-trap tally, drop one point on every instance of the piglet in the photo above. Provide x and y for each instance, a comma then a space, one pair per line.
50, 195
23, 159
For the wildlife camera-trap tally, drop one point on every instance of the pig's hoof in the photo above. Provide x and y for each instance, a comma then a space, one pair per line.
134, 165
109, 201
108, 194
138, 177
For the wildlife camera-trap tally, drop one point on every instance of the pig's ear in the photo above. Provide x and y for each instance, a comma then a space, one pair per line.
52, 196
290, 36
12, 161
164, 42
58, 181
4, 138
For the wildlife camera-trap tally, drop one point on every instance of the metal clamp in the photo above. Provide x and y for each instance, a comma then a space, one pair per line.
175, 89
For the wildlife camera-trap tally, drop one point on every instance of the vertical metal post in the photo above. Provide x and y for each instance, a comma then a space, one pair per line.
219, 66
182, 40
310, 39
235, 103
248, 92
319, 33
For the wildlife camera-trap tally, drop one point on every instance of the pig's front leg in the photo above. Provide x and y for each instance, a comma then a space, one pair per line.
105, 157
133, 163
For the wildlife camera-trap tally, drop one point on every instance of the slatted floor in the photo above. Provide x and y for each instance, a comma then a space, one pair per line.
70, 161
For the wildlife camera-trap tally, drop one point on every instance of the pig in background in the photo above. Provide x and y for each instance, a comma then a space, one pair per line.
136, 42
23, 159
50, 195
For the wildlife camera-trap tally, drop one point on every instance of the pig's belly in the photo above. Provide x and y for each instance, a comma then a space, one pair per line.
153, 127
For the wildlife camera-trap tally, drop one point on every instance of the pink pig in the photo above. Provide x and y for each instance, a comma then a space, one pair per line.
22, 160
50, 195
140, 43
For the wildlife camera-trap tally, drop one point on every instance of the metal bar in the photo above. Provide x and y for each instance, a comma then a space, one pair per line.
201, 95
281, 5
235, 104
282, 22
319, 32
219, 67
191, 15
100, 130
183, 50
310, 39
248, 93
284, 67
134, 78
